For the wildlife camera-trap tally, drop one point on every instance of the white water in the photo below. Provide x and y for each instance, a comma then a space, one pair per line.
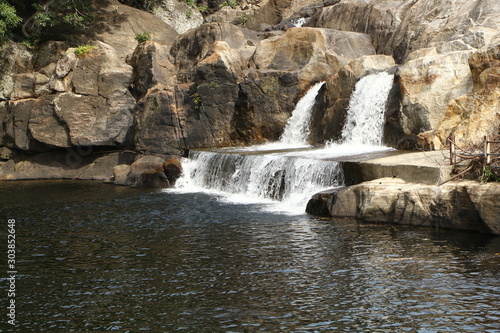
280, 182
299, 22
366, 112
285, 181
297, 131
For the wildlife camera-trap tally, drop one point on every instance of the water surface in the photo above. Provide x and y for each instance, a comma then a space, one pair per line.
95, 257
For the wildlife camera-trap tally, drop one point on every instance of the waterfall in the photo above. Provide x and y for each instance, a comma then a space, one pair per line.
366, 112
299, 22
288, 179
297, 131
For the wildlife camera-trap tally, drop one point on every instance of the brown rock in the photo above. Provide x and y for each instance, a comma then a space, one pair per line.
463, 205
147, 171
172, 169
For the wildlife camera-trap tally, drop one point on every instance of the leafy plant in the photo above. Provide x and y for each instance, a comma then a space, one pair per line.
489, 175
213, 84
8, 20
230, 3
196, 100
84, 50
243, 20
143, 37
202, 8
189, 12
75, 13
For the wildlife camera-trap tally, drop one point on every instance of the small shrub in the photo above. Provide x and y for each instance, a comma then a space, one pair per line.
197, 100
489, 175
243, 20
84, 50
143, 37
230, 3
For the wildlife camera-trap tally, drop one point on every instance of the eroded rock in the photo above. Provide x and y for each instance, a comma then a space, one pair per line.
463, 205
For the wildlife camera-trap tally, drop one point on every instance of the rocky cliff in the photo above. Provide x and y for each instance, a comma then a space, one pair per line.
234, 78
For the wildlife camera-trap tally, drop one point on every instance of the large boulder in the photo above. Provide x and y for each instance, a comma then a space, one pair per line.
152, 65
231, 44
401, 27
147, 171
464, 205
428, 84
178, 14
315, 53
118, 25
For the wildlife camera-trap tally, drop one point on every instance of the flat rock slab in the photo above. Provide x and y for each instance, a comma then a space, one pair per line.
466, 205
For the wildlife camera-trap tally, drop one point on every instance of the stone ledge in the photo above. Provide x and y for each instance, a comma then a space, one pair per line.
465, 205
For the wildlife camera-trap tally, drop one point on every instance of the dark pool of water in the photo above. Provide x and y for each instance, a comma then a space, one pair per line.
94, 257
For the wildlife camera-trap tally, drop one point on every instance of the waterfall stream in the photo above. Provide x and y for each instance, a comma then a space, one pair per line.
366, 111
283, 179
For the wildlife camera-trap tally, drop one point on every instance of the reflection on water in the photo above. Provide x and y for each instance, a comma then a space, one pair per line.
96, 257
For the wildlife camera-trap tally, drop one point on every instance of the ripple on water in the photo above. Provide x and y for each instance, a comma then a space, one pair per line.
96, 259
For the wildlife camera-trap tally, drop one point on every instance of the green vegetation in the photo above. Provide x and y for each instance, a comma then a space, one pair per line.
8, 20
196, 100
84, 50
489, 175
143, 37
243, 20
52, 13
189, 12
32, 18
213, 84
230, 3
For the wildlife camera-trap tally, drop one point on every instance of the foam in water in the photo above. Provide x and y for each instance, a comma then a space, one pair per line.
366, 111
285, 181
263, 178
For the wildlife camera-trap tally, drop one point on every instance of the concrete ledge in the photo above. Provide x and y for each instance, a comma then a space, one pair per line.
430, 167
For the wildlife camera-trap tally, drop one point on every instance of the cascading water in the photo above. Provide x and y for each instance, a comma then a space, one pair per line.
284, 177
366, 111
261, 178
297, 130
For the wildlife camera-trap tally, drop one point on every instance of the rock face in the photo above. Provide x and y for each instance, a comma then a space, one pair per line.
433, 41
401, 27
459, 205
217, 84
472, 116
170, 11
41, 110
